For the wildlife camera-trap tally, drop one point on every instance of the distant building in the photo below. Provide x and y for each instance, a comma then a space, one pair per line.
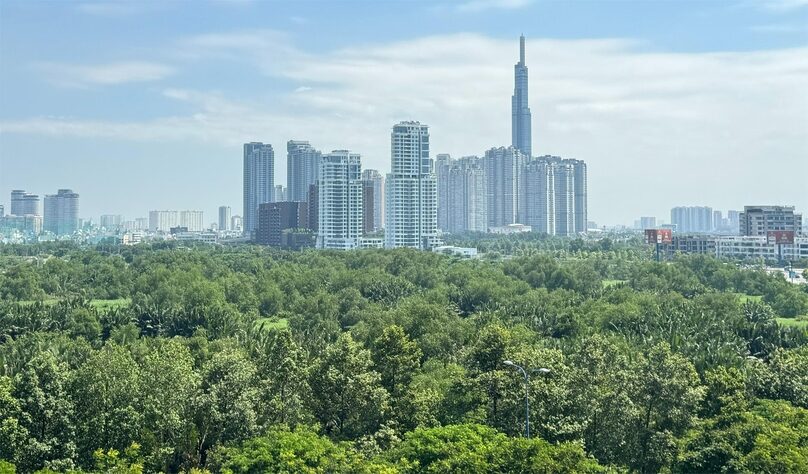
647, 222
378, 197
340, 197
503, 167
259, 181
236, 223
411, 211
61, 212
699, 244
734, 221
465, 252
368, 208
276, 217
280, 193
692, 219
2, 211
27, 224
111, 221
537, 198
193, 220
141, 223
163, 221
520, 109
224, 218
466, 196
302, 166
314, 207
24, 204
443, 163
759, 220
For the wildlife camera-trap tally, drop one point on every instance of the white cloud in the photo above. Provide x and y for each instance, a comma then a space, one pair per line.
657, 129
103, 74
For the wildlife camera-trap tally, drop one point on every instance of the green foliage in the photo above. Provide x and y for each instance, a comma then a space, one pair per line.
247, 359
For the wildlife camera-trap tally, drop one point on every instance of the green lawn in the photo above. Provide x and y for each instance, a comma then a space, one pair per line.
103, 305
798, 322
611, 283
744, 297
267, 324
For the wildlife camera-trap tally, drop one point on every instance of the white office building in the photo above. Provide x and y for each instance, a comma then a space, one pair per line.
340, 201
411, 194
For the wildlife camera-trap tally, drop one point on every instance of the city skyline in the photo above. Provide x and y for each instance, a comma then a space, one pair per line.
626, 100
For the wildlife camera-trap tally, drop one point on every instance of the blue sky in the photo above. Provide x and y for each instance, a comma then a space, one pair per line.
143, 105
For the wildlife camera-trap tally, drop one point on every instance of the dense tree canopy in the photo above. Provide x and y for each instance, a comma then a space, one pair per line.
164, 358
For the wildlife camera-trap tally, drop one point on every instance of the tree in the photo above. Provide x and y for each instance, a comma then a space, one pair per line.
169, 395
396, 358
46, 414
226, 408
282, 369
347, 396
285, 452
105, 393
667, 393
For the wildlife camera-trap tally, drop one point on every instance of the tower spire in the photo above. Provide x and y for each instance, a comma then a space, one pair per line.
522, 49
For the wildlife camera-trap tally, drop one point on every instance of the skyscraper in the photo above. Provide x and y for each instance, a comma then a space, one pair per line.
378, 196
443, 163
411, 212
24, 204
280, 193
466, 196
580, 195
163, 221
340, 195
537, 197
564, 199
502, 169
224, 217
275, 217
520, 110
61, 212
259, 180
368, 200
302, 166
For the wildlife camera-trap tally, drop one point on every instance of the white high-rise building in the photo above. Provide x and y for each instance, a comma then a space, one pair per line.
692, 219
340, 201
466, 206
193, 220
163, 221
502, 169
111, 221
280, 193
302, 166
259, 180
378, 196
224, 218
411, 195
537, 197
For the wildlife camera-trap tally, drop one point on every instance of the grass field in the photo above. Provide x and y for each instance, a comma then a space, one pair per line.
799, 322
272, 323
744, 297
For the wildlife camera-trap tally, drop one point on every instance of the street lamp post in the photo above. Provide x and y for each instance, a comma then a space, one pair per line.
526, 375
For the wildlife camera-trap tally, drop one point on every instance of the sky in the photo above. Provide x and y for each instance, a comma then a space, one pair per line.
145, 105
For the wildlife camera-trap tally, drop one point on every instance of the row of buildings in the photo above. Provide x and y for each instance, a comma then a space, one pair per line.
763, 232
330, 201
59, 216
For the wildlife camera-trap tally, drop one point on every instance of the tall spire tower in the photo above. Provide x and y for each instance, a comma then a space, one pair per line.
520, 111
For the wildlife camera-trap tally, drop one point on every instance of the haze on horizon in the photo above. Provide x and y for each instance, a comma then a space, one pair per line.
145, 105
